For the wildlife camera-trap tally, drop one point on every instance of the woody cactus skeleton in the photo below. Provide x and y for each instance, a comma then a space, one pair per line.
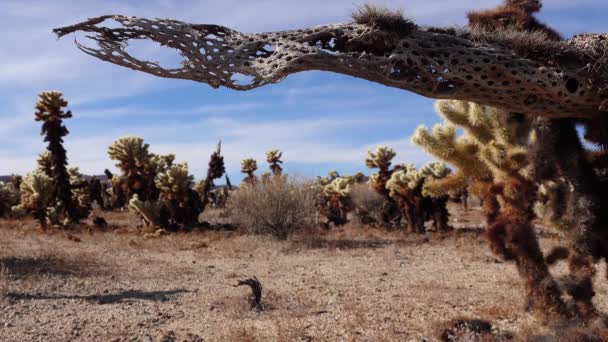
513, 70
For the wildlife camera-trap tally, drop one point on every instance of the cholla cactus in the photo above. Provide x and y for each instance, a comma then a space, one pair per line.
151, 213
334, 202
9, 197
339, 187
249, 166
37, 194
138, 165
49, 110
492, 158
405, 187
44, 163
381, 159
80, 192
131, 153
273, 157
175, 187
175, 183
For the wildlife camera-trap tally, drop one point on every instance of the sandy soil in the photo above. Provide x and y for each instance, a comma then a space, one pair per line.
353, 284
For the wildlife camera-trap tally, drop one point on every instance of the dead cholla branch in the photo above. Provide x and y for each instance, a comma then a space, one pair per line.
504, 60
256, 292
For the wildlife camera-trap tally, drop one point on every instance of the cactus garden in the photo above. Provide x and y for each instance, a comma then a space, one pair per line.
481, 218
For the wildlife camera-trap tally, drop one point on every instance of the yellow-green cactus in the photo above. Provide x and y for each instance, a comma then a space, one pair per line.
381, 158
131, 153
149, 212
175, 183
403, 181
493, 146
435, 170
339, 187
37, 194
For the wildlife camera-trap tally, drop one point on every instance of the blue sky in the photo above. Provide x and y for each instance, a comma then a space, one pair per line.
320, 120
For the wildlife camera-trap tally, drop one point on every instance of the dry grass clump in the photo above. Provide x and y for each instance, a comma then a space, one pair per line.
383, 18
277, 206
366, 201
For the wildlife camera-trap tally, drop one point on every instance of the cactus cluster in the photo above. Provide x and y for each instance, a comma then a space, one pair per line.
406, 186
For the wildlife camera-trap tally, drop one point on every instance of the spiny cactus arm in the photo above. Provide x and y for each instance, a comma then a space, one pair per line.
452, 184
150, 212
518, 71
470, 116
442, 143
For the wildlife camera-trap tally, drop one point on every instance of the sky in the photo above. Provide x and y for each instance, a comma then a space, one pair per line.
320, 121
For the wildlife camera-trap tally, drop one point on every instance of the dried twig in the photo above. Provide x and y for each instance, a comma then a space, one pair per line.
256, 289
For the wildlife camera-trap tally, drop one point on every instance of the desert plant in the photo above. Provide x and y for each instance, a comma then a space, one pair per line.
279, 207
154, 214
248, 167
367, 203
405, 187
44, 163
49, 110
134, 159
273, 157
80, 192
37, 195
9, 197
215, 170
381, 159
335, 202
175, 185
496, 159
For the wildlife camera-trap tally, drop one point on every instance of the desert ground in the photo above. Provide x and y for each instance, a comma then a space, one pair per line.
348, 284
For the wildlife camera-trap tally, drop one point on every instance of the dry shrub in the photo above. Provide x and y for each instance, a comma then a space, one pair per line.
366, 201
277, 206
